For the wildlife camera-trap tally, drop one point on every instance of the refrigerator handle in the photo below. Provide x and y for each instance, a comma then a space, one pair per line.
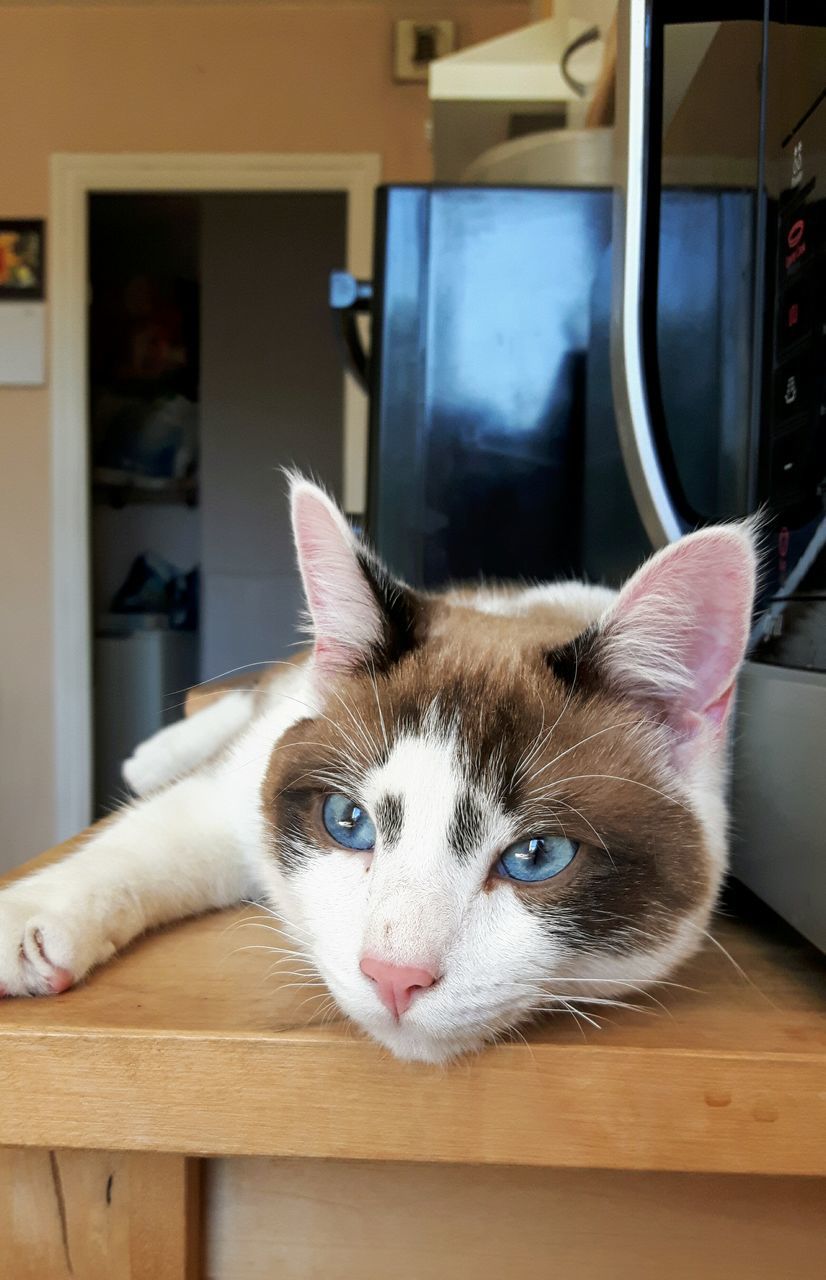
628, 379
348, 298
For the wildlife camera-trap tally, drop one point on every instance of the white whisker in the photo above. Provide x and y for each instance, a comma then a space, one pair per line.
378, 705
612, 777
611, 728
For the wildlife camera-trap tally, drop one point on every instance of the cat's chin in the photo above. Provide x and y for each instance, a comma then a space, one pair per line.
410, 1044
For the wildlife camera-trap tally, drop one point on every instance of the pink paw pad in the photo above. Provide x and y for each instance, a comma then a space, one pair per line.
61, 979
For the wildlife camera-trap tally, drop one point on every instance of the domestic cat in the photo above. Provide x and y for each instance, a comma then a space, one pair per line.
468, 807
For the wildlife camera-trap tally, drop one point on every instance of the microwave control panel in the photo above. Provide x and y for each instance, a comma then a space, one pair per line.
794, 473
798, 403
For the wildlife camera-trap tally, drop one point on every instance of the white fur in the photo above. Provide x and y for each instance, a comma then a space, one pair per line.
178, 853
204, 842
419, 906
582, 601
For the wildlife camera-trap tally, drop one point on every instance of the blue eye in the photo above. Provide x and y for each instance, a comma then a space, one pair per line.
537, 859
348, 823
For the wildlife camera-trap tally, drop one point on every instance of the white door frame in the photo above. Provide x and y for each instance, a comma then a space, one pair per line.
73, 178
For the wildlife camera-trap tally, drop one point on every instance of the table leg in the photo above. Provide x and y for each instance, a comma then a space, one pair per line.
97, 1215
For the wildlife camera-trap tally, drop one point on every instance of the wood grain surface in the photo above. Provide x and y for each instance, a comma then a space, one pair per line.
97, 1215
319, 1220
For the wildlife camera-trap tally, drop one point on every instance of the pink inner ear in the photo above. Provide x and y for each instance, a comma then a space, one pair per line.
679, 629
716, 712
346, 618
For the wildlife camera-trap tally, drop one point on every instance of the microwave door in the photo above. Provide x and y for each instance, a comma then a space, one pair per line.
685, 340
629, 384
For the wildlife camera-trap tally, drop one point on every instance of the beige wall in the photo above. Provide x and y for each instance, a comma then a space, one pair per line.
310, 77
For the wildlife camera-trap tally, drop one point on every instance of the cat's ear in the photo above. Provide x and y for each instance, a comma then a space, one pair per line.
677, 634
360, 615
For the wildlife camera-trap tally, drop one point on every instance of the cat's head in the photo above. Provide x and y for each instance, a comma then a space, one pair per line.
507, 802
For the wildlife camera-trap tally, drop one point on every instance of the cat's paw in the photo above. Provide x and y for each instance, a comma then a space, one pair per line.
150, 767
44, 952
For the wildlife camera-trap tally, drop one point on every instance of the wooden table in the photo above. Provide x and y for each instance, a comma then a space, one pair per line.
183, 1113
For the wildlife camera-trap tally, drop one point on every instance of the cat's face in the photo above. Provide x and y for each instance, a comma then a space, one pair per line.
486, 821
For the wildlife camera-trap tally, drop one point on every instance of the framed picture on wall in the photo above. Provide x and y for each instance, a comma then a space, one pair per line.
22, 260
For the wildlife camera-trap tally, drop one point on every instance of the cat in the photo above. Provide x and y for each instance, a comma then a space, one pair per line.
468, 808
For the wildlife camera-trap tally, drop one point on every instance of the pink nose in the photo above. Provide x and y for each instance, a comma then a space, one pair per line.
397, 983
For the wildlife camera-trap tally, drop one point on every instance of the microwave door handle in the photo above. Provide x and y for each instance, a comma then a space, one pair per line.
348, 298
628, 381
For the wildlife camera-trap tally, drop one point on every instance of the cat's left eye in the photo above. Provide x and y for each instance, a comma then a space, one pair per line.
540, 858
348, 823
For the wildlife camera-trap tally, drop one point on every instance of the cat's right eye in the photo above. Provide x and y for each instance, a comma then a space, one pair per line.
348, 823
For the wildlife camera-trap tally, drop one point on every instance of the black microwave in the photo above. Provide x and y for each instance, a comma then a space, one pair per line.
561, 379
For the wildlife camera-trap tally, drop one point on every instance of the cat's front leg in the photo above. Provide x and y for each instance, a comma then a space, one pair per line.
174, 855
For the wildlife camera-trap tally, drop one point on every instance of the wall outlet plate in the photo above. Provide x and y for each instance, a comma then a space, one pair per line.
416, 43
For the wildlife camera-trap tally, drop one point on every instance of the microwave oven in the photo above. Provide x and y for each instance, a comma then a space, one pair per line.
562, 379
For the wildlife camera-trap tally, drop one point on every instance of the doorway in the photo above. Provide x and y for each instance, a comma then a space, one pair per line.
172, 556
212, 362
